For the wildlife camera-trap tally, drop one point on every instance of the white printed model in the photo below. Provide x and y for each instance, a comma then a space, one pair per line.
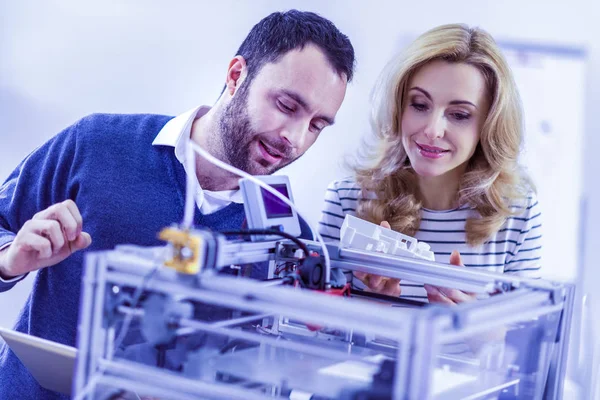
359, 234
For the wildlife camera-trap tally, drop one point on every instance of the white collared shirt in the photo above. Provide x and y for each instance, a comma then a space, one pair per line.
175, 134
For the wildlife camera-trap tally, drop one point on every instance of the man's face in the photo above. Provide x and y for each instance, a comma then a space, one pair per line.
279, 115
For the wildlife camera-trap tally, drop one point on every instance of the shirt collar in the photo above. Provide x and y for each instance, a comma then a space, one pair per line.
179, 127
175, 132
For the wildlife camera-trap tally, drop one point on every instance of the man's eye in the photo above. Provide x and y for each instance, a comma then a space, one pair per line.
316, 128
284, 107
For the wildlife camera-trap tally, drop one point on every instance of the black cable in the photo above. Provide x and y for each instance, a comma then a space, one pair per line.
161, 356
248, 232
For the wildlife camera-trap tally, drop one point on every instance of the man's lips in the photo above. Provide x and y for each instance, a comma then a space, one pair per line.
268, 153
271, 150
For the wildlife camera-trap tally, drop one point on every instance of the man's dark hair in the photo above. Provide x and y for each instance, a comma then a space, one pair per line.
281, 32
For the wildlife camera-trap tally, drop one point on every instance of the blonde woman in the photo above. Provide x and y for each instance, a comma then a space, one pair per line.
443, 165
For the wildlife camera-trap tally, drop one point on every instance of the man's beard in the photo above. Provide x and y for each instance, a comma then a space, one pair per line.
236, 135
235, 131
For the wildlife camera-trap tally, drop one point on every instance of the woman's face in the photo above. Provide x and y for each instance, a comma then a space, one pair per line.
445, 108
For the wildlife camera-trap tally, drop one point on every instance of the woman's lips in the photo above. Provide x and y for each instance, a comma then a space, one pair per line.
431, 151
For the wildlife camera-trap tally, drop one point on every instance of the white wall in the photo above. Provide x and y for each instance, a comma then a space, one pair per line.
62, 59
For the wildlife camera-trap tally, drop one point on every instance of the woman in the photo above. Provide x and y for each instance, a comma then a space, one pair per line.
443, 167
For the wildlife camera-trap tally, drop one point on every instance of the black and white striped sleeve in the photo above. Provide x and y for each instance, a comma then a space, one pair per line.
332, 214
526, 257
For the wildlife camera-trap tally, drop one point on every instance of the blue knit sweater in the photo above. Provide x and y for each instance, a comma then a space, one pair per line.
126, 189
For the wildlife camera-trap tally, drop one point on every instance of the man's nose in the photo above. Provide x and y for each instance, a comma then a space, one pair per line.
294, 135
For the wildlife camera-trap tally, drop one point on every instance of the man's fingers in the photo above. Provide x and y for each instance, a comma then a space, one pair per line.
48, 229
385, 224
34, 242
81, 242
68, 223
74, 210
67, 214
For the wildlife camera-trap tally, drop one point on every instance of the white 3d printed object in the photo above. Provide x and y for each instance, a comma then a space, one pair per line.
363, 235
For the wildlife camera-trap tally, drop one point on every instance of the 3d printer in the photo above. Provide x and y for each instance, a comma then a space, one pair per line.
185, 322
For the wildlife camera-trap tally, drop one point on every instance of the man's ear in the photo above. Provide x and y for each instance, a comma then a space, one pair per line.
236, 74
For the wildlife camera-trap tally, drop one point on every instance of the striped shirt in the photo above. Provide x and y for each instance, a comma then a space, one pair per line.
514, 249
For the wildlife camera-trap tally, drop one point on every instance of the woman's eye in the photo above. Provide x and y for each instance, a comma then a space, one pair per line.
461, 116
419, 106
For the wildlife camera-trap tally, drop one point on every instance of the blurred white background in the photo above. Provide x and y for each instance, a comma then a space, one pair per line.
63, 59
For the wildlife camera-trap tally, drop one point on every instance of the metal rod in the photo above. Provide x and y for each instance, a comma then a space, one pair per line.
167, 384
239, 321
431, 270
251, 296
502, 320
83, 328
315, 350
139, 312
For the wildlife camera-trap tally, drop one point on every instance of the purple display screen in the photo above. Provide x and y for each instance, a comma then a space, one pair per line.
274, 207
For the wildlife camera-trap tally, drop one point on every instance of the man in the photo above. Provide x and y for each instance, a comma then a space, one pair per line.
113, 179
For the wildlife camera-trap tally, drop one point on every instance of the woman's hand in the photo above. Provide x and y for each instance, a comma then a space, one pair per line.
442, 295
380, 284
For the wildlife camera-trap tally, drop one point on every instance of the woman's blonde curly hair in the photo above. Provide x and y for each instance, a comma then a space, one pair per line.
493, 180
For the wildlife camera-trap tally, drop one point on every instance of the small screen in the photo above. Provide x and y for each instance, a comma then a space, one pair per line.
274, 207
